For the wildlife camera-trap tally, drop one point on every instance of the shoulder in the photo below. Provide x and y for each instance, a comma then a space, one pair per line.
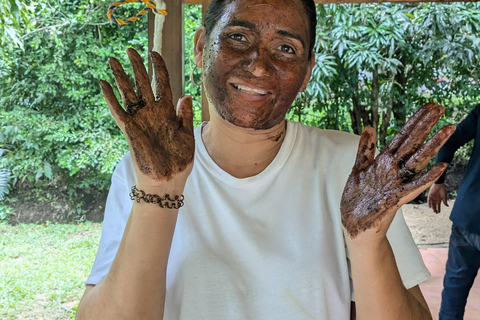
339, 140
476, 111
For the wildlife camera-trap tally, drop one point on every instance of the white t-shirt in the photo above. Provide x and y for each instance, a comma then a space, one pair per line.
265, 247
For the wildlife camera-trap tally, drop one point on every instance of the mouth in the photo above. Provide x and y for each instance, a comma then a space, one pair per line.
250, 90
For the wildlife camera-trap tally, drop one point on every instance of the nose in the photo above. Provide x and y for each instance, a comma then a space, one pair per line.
258, 62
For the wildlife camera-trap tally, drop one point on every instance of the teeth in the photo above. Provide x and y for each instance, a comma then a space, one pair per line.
250, 90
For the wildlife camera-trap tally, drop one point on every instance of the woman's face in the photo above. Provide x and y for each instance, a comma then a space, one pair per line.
255, 61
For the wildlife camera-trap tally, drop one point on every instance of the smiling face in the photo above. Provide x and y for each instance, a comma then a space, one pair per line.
255, 61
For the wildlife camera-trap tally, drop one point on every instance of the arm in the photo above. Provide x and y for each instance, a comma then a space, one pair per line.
379, 291
162, 146
466, 131
375, 190
415, 292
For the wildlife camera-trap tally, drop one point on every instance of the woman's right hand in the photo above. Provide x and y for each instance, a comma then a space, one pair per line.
437, 195
160, 139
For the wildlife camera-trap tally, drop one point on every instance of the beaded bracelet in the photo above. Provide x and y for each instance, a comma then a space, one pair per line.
165, 202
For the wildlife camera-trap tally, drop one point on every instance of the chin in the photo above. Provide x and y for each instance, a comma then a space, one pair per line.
255, 125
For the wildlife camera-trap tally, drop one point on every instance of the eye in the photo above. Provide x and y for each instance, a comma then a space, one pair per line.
286, 49
237, 37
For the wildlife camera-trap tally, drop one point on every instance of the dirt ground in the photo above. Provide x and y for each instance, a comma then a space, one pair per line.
428, 229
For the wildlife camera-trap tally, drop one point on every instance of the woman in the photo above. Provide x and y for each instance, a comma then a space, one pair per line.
260, 235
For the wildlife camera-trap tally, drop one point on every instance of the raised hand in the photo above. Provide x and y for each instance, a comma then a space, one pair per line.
160, 138
377, 187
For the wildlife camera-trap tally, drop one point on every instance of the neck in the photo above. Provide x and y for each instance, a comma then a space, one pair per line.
241, 152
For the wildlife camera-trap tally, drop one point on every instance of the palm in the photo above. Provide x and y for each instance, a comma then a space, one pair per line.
377, 187
161, 141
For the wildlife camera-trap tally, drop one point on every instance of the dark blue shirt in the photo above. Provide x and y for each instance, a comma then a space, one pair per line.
466, 210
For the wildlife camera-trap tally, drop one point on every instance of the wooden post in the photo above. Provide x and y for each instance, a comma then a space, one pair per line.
172, 46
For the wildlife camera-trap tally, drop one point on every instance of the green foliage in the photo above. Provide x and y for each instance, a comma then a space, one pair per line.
377, 63
193, 20
39, 263
55, 124
13, 15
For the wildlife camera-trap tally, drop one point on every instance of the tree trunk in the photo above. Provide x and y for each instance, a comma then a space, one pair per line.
386, 115
375, 99
360, 116
398, 107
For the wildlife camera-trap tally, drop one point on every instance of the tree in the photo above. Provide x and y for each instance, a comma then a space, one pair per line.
13, 14
380, 62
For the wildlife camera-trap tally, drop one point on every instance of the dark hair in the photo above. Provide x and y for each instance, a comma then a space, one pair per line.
216, 8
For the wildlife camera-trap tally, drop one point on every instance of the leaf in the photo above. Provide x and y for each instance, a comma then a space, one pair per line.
47, 169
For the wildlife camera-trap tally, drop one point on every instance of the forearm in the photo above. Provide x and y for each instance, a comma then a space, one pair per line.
379, 291
135, 285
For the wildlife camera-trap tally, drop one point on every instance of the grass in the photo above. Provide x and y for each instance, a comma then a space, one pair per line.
39, 263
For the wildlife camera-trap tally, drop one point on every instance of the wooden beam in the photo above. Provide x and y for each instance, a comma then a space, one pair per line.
172, 45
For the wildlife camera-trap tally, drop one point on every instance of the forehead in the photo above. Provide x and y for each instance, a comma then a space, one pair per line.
288, 15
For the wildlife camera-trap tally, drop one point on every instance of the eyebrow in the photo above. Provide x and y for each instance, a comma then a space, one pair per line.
242, 23
251, 26
291, 35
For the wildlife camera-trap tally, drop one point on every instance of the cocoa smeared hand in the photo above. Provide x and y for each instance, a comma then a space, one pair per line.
160, 138
377, 187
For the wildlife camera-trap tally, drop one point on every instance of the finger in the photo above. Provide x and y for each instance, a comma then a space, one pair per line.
366, 149
445, 202
408, 126
419, 161
116, 109
420, 132
129, 98
162, 79
185, 112
413, 188
142, 82
434, 205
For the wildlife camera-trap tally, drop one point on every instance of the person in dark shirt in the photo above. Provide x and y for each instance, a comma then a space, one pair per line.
464, 247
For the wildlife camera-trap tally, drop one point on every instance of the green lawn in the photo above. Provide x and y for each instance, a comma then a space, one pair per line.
39, 263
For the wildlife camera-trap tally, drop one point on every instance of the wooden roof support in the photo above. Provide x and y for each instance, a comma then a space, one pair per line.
172, 46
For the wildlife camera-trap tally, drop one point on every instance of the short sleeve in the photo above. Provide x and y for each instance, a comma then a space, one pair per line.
409, 261
117, 210
407, 256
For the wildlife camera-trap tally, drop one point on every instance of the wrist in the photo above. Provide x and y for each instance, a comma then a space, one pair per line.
366, 243
163, 200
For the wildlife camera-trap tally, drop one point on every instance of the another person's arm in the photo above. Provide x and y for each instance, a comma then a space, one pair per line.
376, 189
162, 146
465, 132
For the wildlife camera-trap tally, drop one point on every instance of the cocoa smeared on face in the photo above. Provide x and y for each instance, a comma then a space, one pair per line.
256, 60
378, 186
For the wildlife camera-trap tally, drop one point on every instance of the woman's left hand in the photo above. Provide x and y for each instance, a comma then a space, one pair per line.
378, 187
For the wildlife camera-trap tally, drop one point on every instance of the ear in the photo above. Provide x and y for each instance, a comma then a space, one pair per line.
309, 73
198, 45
